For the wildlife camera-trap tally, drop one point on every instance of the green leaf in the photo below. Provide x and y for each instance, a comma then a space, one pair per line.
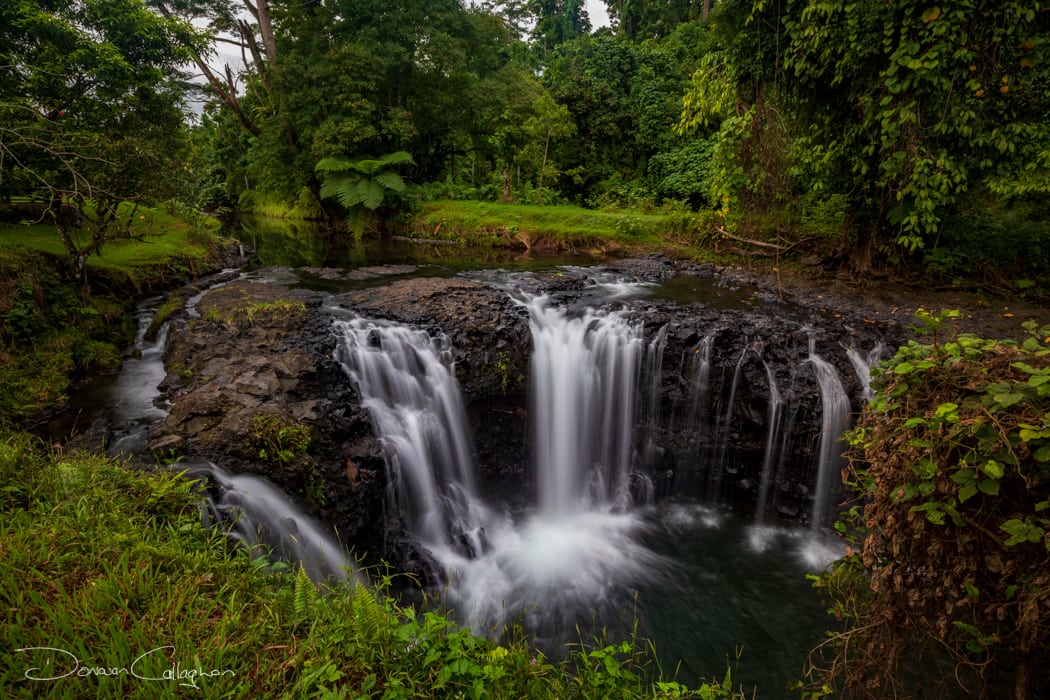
967, 492
993, 469
391, 181
946, 409
903, 368
1008, 399
371, 193
905, 493
334, 184
988, 486
333, 164
1042, 454
1021, 531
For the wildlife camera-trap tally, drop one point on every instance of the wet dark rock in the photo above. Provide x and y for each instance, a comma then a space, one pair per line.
264, 350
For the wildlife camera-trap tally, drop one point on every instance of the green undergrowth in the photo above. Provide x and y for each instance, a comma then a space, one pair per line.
109, 580
51, 334
562, 227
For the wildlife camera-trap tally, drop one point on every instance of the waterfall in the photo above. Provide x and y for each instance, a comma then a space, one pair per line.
862, 365
701, 380
584, 386
834, 415
405, 381
263, 518
652, 369
715, 477
769, 459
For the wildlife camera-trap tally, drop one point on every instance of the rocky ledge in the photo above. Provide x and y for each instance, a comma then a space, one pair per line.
253, 386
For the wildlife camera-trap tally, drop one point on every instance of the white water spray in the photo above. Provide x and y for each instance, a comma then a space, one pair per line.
263, 518
862, 365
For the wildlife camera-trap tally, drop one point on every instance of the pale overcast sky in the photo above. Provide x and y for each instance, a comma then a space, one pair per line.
598, 14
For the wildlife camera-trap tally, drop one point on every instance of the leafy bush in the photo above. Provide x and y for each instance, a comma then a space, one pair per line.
951, 582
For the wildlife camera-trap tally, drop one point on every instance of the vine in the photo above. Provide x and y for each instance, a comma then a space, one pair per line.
948, 578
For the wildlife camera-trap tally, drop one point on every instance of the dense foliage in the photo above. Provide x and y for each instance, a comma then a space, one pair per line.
906, 132
949, 589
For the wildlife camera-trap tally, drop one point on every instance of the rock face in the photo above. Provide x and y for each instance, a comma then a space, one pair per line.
250, 380
254, 373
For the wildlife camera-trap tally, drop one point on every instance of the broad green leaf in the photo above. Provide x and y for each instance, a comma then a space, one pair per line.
1008, 399
967, 492
903, 368
931, 14
989, 486
993, 469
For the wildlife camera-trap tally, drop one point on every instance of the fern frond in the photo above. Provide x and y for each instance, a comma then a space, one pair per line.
391, 181
334, 164
335, 183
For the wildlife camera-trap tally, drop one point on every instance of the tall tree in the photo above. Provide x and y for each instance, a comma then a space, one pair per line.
911, 104
90, 109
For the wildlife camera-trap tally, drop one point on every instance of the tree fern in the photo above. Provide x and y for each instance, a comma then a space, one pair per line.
363, 183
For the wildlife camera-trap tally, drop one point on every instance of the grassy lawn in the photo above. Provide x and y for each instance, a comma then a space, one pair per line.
563, 226
157, 238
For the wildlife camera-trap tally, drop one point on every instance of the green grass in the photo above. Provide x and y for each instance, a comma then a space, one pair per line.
51, 333
489, 223
159, 238
104, 565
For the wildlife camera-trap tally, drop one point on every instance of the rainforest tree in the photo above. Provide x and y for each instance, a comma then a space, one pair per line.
91, 114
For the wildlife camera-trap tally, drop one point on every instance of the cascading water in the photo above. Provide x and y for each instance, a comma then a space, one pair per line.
769, 458
583, 387
834, 419
405, 380
263, 518
862, 365
577, 558
716, 470
652, 369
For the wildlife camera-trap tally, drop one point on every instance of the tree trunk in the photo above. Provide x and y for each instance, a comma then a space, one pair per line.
543, 166
506, 185
261, 12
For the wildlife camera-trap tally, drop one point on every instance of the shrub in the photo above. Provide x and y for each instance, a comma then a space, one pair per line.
949, 587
